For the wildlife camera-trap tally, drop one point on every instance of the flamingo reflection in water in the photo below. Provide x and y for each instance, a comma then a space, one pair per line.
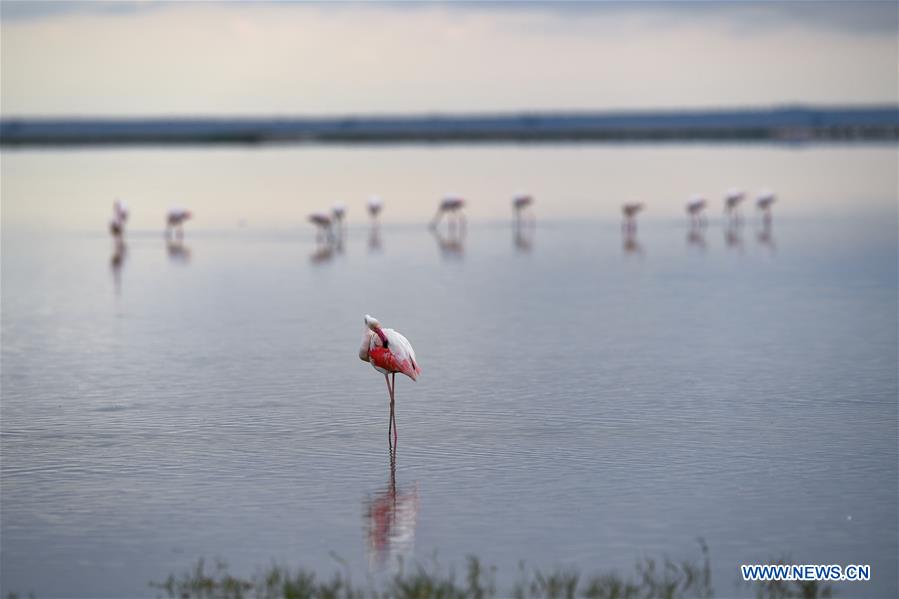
391, 516
178, 252
696, 239
451, 245
733, 236
629, 243
119, 252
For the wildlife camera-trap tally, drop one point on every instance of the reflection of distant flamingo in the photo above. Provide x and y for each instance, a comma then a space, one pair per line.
629, 243
630, 211
695, 208
732, 200
391, 518
451, 206
322, 253
388, 352
763, 203
766, 236
732, 235
374, 239
523, 236
696, 238
451, 245
174, 222
178, 252
119, 252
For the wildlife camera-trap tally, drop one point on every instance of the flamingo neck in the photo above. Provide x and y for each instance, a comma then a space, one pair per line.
383, 337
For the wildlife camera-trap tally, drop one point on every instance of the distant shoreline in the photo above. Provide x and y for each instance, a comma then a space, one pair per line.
802, 124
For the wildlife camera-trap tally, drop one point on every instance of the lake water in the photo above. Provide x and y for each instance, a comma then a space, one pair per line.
586, 399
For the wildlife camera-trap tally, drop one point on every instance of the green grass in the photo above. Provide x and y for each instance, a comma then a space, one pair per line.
651, 578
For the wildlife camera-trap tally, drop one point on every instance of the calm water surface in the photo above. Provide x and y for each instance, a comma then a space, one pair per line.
585, 399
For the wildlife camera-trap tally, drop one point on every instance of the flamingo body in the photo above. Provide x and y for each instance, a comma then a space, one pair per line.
522, 201
398, 356
375, 204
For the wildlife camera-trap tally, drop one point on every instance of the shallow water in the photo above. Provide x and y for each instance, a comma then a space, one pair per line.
584, 401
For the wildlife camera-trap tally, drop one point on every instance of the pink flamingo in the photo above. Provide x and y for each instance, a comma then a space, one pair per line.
388, 352
695, 208
630, 211
451, 206
119, 218
174, 222
732, 200
375, 203
764, 202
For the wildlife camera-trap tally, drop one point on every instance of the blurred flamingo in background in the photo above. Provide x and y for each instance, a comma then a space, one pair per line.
119, 218
524, 227
520, 203
375, 204
174, 221
338, 212
451, 206
630, 211
388, 352
764, 201
695, 209
322, 222
732, 200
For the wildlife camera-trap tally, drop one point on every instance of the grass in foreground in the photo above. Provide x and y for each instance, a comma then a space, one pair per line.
663, 579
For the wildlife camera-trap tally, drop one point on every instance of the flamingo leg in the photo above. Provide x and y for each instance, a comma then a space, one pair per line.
390, 421
392, 411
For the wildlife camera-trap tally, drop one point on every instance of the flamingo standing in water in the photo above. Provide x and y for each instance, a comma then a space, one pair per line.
763, 203
375, 203
732, 200
520, 203
322, 222
452, 206
119, 218
695, 208
338, 212
174, 221
630, 211
388, 352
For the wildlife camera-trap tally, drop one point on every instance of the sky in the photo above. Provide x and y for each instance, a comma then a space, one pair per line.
287, 58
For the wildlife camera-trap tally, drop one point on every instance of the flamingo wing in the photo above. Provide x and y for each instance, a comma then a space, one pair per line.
398, 356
